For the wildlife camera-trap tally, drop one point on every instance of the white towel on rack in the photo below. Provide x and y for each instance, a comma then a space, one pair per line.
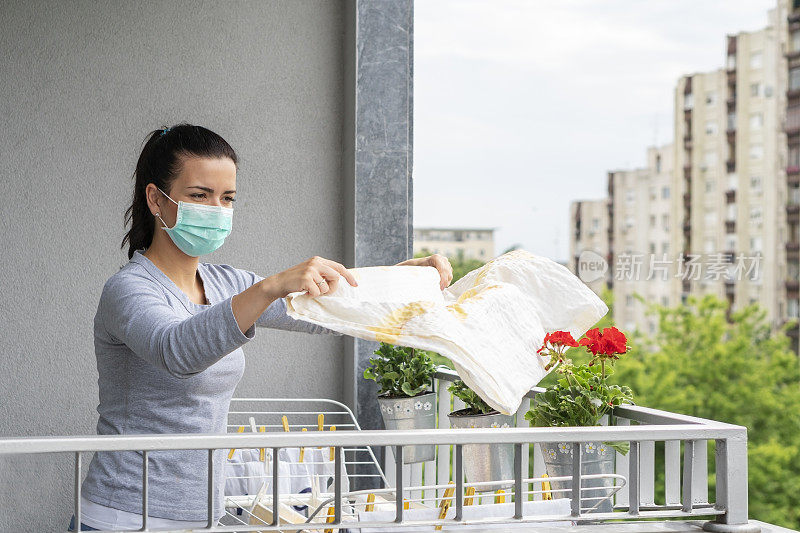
556, 508
490, 323
245, 472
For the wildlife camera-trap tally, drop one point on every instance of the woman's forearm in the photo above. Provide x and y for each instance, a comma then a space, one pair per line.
249, 304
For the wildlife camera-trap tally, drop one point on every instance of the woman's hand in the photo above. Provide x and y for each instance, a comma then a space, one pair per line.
440, 262
316, 275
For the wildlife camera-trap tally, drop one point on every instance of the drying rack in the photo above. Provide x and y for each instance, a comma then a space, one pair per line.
315, 506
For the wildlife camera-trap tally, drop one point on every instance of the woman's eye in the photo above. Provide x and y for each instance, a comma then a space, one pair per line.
230, 199
197, 195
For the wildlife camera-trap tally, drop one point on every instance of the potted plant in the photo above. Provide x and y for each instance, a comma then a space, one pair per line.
581, 397
406, 397
482, 462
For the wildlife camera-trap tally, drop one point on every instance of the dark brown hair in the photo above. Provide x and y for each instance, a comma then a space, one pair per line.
159, 163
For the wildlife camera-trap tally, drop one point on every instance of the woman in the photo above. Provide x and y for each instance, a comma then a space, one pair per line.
169, 330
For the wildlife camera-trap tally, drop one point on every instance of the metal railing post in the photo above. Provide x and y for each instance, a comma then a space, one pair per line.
576, 479
210, 489
398, 460
276, 494
77, 491
458, 467
519, 497
144, 490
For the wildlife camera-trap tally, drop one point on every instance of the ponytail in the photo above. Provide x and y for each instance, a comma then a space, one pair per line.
160, 163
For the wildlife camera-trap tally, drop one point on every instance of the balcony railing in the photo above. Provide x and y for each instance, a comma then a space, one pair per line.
685, 483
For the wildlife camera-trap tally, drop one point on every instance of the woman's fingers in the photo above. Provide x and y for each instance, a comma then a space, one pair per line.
340, 268
442, 264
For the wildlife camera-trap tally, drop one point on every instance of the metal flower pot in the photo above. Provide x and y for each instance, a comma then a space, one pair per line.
418, 412
485, 462
596, 458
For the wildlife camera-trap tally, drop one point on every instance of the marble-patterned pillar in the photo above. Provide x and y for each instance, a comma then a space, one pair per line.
377, 160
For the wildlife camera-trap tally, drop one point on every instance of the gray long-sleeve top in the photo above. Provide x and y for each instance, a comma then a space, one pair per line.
168, 365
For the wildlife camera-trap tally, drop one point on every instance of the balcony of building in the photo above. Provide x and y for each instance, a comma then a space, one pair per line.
792, 288
792, 250
730, 196
793, 213
674, 444
730, 226
730, 166
687, 200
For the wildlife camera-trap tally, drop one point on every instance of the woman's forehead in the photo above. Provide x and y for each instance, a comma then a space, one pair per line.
218, 174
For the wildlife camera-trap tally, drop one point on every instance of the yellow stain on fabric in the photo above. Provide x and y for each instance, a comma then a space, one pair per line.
470, 294
391, 327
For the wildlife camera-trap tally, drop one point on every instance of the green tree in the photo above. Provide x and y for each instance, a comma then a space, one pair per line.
738, 371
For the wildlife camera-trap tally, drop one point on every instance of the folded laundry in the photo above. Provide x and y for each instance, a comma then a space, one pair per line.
490, 322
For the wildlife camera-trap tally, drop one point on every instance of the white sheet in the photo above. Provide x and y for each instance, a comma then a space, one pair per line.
489, 323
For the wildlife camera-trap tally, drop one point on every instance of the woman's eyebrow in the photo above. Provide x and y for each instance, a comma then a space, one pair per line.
209, 190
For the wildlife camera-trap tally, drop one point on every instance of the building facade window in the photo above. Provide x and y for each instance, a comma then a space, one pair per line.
794, 79
711, 127
756, 151
755, 89
711, 98
756, 59
665, 193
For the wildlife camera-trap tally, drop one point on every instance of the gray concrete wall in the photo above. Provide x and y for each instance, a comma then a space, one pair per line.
80, 85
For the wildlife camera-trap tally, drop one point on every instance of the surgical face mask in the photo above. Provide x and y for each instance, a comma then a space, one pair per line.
199, 229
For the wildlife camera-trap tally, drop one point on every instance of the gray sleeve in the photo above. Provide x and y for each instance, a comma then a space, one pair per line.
275, 316
134, 312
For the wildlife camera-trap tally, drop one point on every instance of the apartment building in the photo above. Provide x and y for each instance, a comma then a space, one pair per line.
630, 232
589, 242
465, 243
731, 216
787, 20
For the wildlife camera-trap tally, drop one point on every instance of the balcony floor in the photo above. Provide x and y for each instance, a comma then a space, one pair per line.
674, 526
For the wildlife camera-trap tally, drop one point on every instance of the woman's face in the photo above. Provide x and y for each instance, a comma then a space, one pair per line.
201, 180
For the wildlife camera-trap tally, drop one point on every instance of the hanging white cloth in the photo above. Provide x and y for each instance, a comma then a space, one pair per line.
490, 323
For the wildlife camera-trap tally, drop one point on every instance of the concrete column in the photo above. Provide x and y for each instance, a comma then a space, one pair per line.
377, 160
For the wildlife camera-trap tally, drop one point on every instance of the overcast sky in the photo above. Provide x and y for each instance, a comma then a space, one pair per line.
521, 106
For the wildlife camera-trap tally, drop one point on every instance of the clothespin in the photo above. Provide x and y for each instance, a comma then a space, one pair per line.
500, 496
285, 422
302, 450
262, 453
320, 424
331, 517
447, 499
333, 453
230, 453
546, 494
470, 493
406, 504
370, 503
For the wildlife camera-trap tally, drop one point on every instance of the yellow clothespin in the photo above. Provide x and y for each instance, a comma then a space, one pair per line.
370, 503
230, 453
333, 453
406, 504
500, 496
285, 422
445, 505
331, 517
469, 496
320, 424
302, 450
263, 451
546, 494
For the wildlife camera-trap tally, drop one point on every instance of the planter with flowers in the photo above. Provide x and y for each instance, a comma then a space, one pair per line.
406, 397
581, 397
482, 462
